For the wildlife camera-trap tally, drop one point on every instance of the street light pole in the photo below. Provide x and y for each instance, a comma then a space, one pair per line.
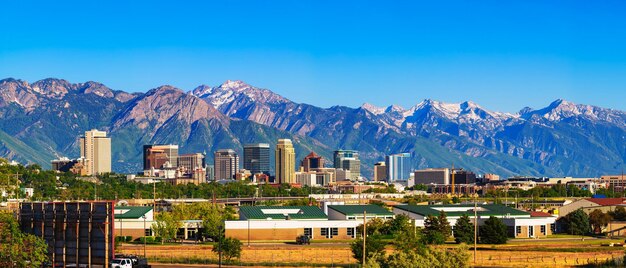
364, 233
248, 232
144, 235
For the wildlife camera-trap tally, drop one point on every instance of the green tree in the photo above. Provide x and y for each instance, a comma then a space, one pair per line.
213, 221
375, 226
399, 223
230, 247
618, 214
18, 249
373, 245
408, 240
599, 220
444, 226
432, 231
453, 258
576, 223
493, 232
464, 230
429, 258
411, 259
166, 226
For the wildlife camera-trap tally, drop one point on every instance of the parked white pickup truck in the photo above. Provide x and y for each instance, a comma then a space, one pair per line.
121, 263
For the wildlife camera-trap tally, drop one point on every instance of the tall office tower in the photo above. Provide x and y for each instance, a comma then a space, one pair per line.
398, 167
285, 162
210, 173
432, 176
348, 160
155, 156
95, 149
191, 162
312, 161
380, 171
226, 164
256, 158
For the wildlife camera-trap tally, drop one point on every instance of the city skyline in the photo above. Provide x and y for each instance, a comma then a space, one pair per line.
503, 56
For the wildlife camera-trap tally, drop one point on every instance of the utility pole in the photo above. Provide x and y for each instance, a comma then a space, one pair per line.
144, 236
248, 232
475, 228
153, 195
17, 185
219, 248
364, 233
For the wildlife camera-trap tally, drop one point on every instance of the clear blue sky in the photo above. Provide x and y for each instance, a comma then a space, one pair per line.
500, 54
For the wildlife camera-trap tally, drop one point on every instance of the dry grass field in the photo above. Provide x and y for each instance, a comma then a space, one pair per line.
538, 253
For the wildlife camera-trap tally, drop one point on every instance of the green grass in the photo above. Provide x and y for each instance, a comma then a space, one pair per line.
567, 236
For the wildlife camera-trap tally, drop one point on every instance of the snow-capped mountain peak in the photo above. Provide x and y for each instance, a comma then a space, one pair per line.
236, 91
234, 84
373, 108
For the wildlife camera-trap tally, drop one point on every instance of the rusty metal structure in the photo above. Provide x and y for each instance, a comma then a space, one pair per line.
78, 234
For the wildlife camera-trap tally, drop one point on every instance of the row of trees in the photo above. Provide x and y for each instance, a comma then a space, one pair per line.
579, 223
213, 217
437, 230
18, 249
413, 246
410, 250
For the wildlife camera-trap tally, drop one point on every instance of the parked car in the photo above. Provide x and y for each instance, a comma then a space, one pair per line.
303, 240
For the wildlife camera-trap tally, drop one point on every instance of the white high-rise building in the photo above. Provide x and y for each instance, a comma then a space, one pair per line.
95, 149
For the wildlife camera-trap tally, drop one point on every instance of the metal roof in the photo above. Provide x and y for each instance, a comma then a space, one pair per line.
282, 212
357, 210
484, 210
132, 212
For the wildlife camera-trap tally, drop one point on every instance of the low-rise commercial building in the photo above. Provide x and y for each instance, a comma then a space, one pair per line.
520, 224
134, 221
287, 223
591, 204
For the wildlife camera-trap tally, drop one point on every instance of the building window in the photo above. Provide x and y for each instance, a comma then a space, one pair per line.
351, 232
334, 232
308, 232
518, 230
147, 232
543, 229
324, 232
553, 227
531, 231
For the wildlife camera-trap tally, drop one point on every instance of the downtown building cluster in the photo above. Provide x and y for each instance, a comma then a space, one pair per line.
162, 162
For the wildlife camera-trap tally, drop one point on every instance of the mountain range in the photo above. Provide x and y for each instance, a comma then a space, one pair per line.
41, 121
